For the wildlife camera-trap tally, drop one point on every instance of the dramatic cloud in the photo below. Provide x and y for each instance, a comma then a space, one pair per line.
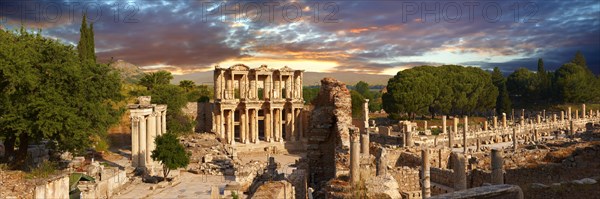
324, 36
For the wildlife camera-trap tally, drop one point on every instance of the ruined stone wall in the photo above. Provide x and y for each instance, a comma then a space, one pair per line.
407, 178
386, 140
329, 134
55, 187
201, 112
442, 176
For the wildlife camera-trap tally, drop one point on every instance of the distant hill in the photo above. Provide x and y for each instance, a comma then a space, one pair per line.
310, 78
129, 72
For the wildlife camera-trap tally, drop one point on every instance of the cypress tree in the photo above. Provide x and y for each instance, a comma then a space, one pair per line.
85, 47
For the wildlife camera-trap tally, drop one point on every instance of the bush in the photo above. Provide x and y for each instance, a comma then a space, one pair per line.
44, 170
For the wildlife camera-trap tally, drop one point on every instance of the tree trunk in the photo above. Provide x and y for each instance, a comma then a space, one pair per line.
22, 152
9, 147
165, 172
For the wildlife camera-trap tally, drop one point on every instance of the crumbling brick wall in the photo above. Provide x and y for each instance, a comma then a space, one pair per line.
329, 135
201, 112
407, 178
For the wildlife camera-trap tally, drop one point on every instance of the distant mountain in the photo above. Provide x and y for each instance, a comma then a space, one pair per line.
310, 78
129, 72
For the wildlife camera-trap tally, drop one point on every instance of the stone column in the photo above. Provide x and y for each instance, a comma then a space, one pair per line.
289, 135
572, 128
538, 119
562, 116
465, 129
426, 188
576, 114
364, 143
268, 123
243, 128
425, 125
255, 127
142, 142
158, 123
150, 139
164, 121
544, 115
553, 118
301, 124
514, 138
459, 174
408, 138
504, 120
583, 111
522, 120
444, 130
354, 157
497, 171
569, 116
280, 124
495, 122
135, 142
366, 116
535, 135
485, 125
381, 168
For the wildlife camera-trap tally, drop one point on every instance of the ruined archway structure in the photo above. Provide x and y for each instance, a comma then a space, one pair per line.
328, 150
260, 103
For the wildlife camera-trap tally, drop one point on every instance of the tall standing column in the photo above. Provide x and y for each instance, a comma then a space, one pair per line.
142, 142
354, 157
408, 138
459, 174
268, 123
135, 142
485, 125
538, 119
255, 127
562, 116
504, 120
150, 139
495, 122
164, 121
497, 171
243, 128
514, 137
571, 128
569, 116
426, 188
444, 130
300, 124
158, 123
364, 144
583, 111
465, 129
366, 116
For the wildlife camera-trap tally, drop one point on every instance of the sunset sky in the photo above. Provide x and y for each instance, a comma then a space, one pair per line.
377, 37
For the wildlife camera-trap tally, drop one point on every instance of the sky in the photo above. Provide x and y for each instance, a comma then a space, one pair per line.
375, 37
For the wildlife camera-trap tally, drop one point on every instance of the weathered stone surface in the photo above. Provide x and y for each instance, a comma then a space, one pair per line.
504, 191
329, 131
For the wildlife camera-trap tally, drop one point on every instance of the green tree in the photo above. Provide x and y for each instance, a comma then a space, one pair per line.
579, 59
86, 45
187, 85
503, 104
309, 93
523, 86
357, 103
576, 84
49, 93
363, 88
170, 153
151, 80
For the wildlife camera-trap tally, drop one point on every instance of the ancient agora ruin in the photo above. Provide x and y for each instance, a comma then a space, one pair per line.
258, 138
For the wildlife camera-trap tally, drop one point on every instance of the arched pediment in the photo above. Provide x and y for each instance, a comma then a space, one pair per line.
239, 67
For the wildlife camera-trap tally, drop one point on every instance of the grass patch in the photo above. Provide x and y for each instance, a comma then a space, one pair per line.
44, 170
